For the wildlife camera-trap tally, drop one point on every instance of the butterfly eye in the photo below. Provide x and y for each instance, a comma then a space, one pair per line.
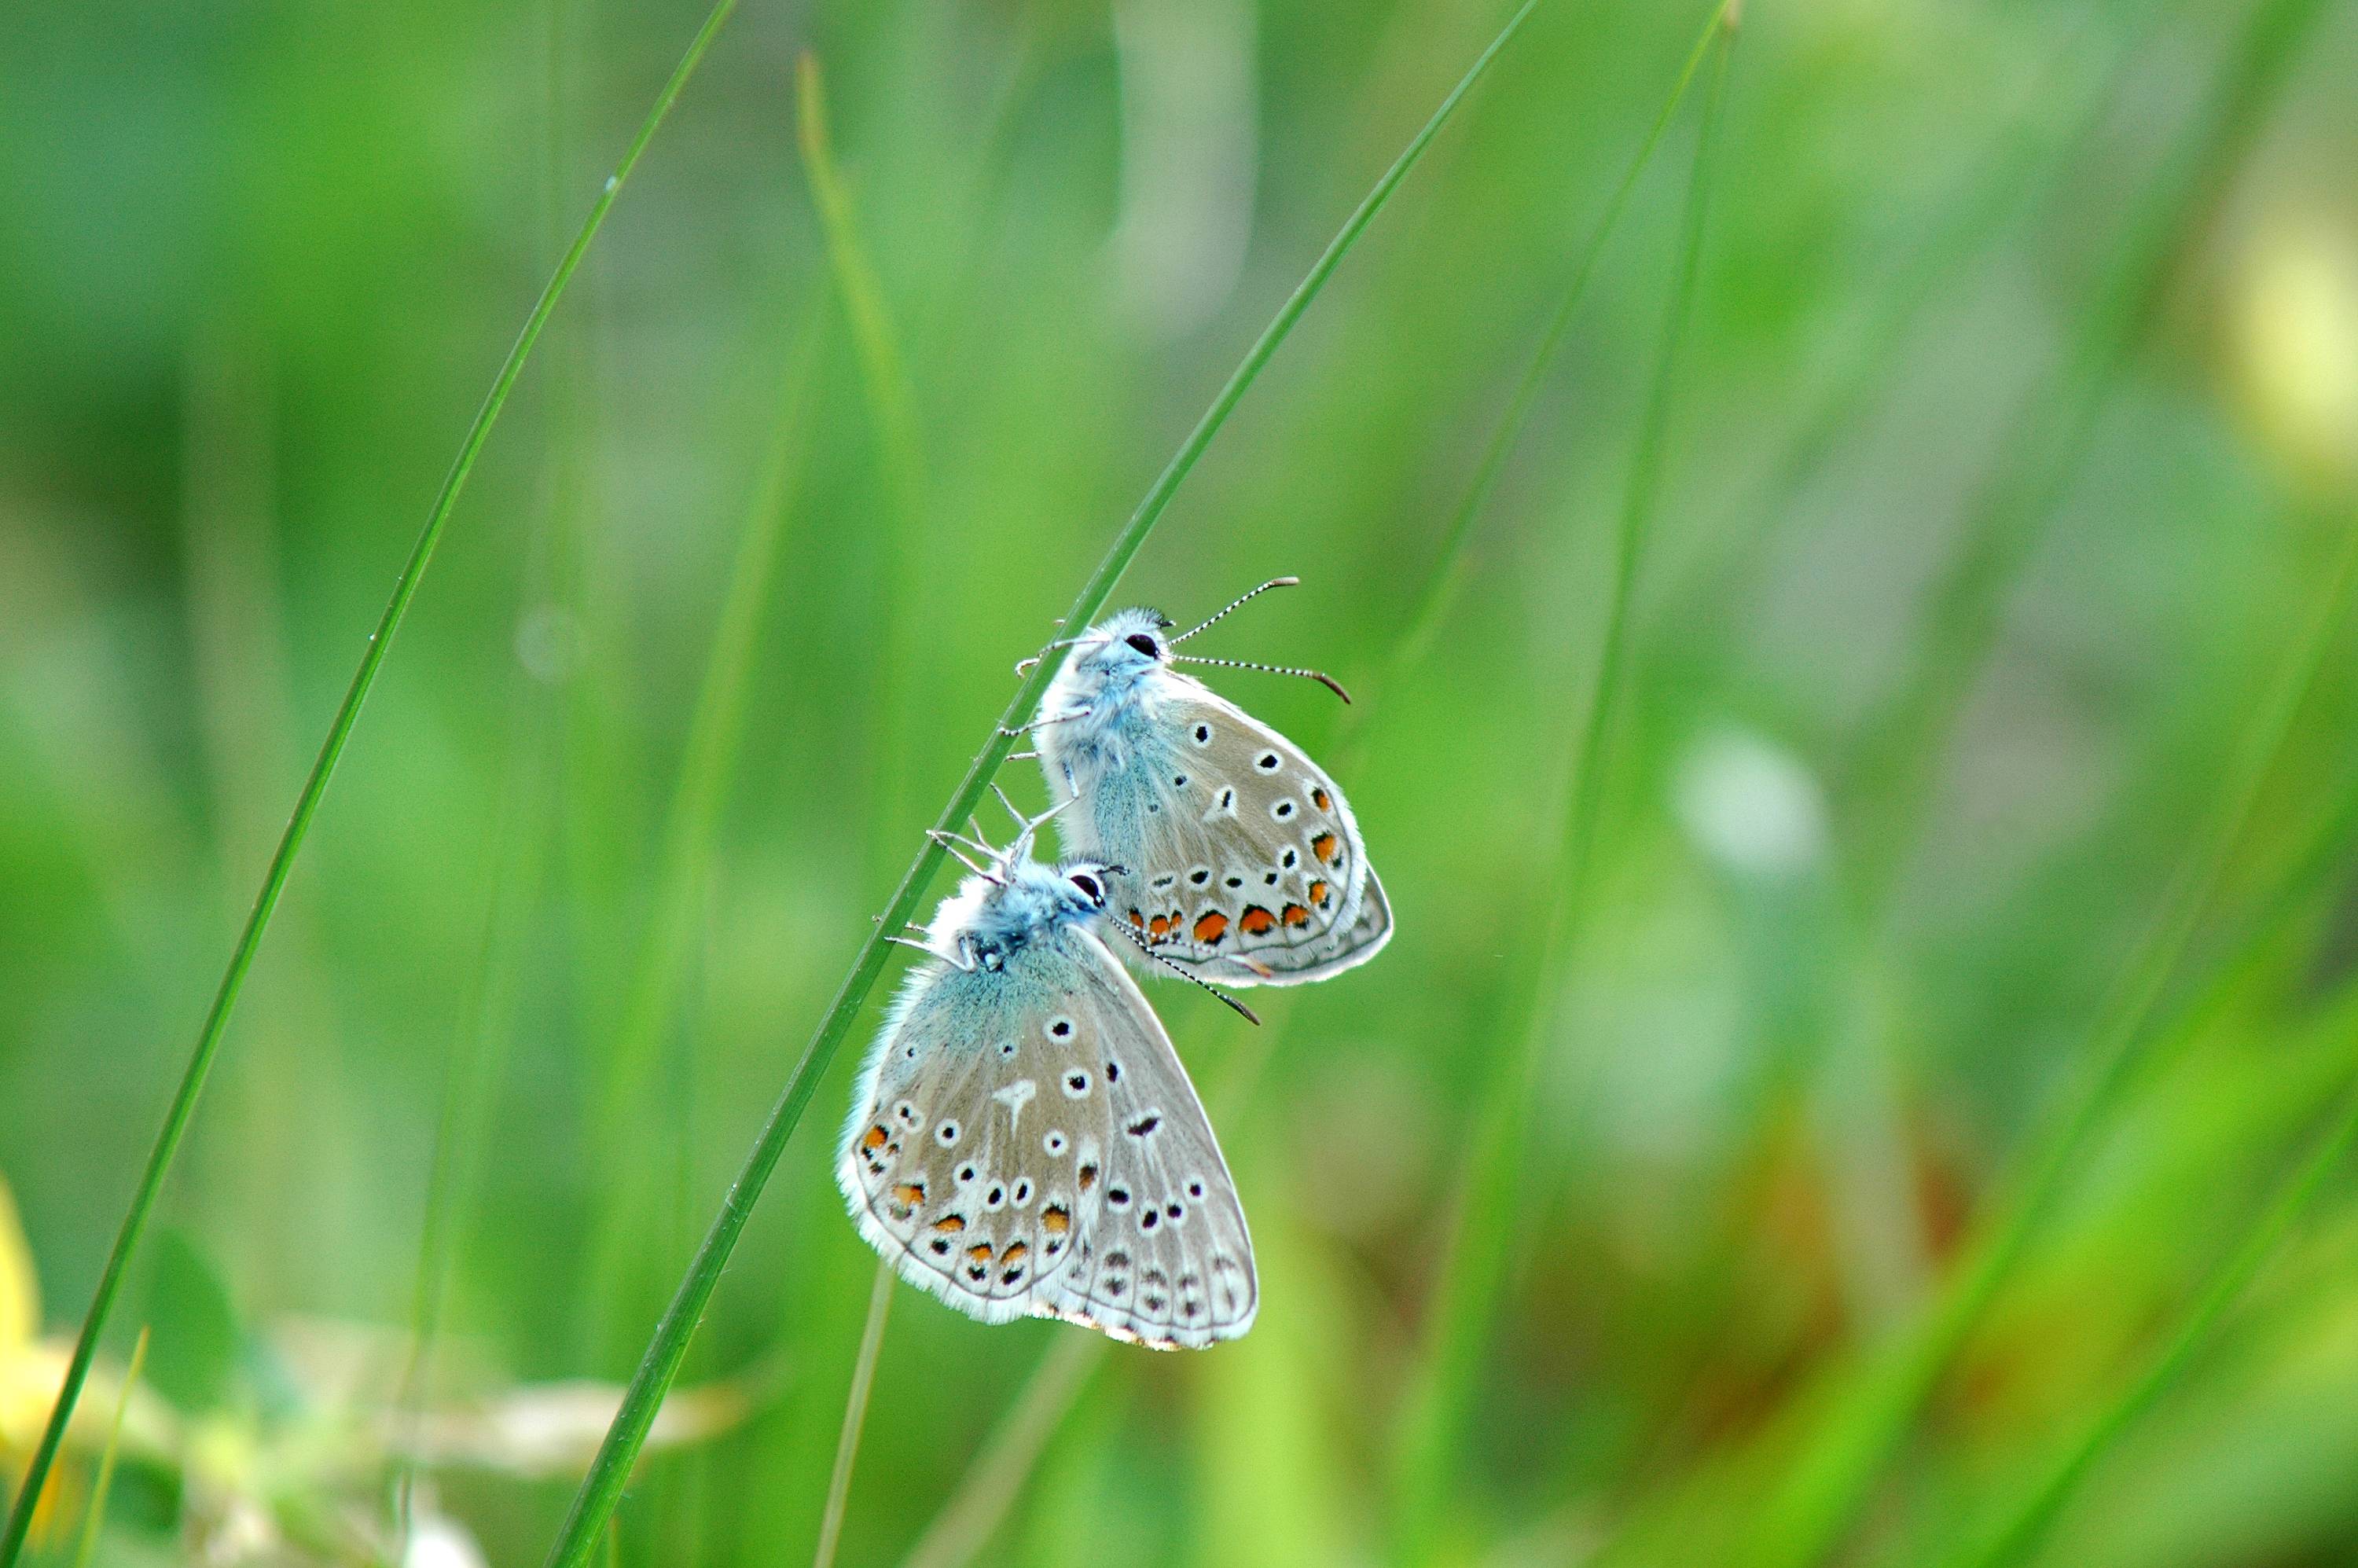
1088, 887
1145, 644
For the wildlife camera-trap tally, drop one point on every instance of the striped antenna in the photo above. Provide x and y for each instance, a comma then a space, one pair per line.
1241, 601
1181, 971
1329, 682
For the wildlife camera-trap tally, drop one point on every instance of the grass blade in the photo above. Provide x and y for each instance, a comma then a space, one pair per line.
989, 1489
855, 1415
601, 1488
972, 1515
893, 411
699, 793
307, 803
2025, 1531
1434, 1416
105, 1478
1441, 587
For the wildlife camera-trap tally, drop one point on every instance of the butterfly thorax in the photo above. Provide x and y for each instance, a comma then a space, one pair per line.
1111, 691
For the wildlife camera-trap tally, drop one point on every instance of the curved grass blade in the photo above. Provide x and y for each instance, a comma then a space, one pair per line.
601, 1488
966, 1523
105, 1478
1441, 590
2027, 1528
855, 1415
1435, 1413
707, 767
307, 803
989, 1489
893, 412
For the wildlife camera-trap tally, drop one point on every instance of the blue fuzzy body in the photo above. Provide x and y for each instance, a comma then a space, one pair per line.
1123, 744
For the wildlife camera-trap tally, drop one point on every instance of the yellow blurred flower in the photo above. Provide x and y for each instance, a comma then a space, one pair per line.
2293, 341
244, 1478
33, 1369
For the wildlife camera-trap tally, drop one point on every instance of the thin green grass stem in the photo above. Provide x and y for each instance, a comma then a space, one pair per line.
1811, 1512
989, 1487
315, 787
892, 403
1441, 585
700, 793
2027, 1528
96, 1516
477, 1063
1434, 1416
601, 1488
855, 1415
974, 1512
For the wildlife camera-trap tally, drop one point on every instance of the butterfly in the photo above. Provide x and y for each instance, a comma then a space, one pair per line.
1023, 1140
1237, 857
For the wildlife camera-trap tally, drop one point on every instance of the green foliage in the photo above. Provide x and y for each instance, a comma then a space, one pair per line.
1928, 1149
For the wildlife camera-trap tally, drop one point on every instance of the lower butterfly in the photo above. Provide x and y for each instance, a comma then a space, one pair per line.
1023, 1140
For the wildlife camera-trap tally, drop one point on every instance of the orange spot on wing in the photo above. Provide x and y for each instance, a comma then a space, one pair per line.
1089, 1177
979, 1251
1055, 1219
1321, 799
1257, 921
1159, 927
1295, 915
1015, 1253
1138, 920
874, 1138
1324, 846
1318, 894
949, 1224
1211, 927
911, 1192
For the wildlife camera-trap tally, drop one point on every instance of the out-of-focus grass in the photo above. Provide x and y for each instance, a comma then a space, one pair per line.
1495, 1202
250, 286
182, 1108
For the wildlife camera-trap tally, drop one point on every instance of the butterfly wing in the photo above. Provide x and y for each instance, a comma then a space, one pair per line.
991, 1141
1245, 864
961, 1160
1165, 1258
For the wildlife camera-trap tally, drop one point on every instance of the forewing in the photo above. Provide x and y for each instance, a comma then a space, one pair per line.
1252, 870
1163, 1256
969, 1162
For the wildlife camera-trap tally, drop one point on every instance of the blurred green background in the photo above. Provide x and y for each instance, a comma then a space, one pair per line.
2009, 458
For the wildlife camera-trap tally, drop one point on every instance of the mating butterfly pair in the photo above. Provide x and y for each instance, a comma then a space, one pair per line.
1023, 1140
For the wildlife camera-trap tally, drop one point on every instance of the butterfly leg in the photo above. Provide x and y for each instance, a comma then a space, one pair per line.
1042, 723
1021, 821
949, 843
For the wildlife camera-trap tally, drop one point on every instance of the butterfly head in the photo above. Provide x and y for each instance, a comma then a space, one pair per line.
989, 919
1117, 654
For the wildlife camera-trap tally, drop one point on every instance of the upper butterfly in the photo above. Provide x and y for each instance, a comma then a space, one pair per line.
1023, 1140
1244, 863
